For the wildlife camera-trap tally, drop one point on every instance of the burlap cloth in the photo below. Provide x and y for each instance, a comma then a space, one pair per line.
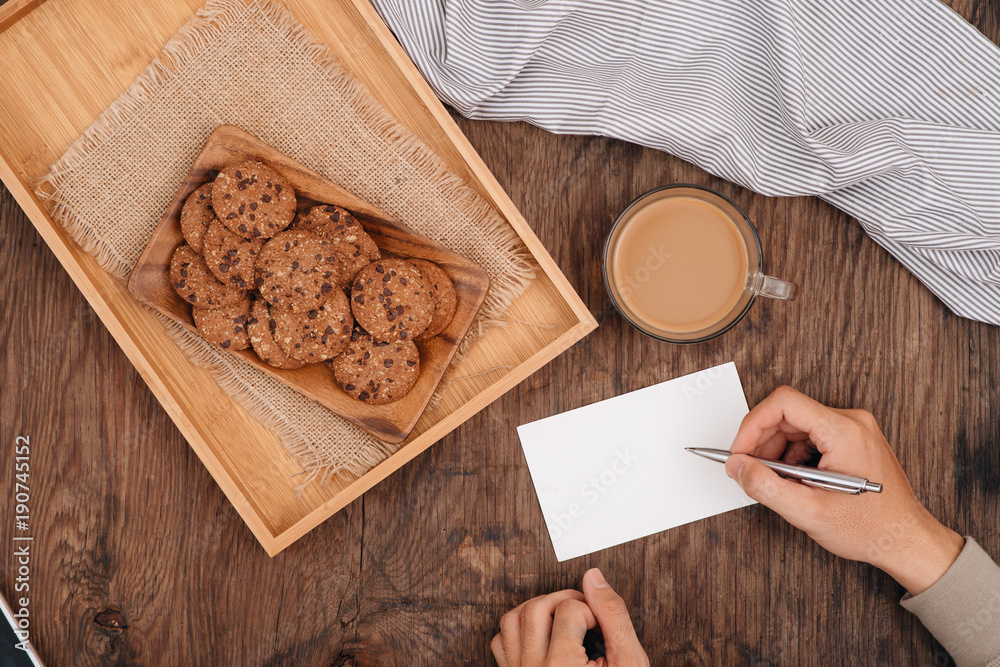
251, 64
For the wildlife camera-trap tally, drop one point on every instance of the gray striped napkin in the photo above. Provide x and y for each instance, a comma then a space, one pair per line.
888, 109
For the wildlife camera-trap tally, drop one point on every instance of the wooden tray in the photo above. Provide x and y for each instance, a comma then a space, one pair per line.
150, 282
55, 83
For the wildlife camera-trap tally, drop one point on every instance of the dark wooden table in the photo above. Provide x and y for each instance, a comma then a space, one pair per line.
139, 559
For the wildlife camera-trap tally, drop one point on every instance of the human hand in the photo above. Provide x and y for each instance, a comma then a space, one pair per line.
548, 630
891, 530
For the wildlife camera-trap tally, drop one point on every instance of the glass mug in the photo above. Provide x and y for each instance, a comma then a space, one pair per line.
683, 264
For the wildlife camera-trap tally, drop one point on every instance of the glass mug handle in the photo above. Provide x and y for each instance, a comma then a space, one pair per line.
773, 288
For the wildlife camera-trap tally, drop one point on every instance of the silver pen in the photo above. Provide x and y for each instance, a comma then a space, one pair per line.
823, 479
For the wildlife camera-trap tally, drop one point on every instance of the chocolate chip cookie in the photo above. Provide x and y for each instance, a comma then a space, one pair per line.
391, 300
191, 278
296, 270
229, 256
262, 329
376, 372
196, 215
350, 241
444, 295
253, 200
225, 327
318, 334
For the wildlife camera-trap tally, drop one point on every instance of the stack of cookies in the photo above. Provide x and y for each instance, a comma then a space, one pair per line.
305, 288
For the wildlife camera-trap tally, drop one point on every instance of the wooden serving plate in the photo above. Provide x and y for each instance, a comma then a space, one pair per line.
392, 422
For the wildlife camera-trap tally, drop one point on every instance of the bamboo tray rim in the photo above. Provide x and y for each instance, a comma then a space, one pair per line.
116, 317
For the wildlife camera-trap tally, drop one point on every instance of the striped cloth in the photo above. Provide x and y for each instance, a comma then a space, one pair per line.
887, 109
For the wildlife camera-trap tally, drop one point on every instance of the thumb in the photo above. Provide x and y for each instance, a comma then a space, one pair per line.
620, 642
789, 499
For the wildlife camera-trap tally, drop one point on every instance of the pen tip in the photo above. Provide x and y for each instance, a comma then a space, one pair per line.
689, 449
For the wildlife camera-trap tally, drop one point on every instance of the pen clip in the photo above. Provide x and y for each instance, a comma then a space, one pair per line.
831, 487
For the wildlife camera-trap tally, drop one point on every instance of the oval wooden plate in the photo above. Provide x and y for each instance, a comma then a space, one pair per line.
150, 282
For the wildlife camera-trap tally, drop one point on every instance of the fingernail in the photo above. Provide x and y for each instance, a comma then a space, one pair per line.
733, 465
597, 579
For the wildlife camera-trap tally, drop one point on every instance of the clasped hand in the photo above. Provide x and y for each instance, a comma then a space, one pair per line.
548, 630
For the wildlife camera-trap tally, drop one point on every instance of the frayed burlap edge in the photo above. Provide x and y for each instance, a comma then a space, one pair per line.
302, 451
194, 36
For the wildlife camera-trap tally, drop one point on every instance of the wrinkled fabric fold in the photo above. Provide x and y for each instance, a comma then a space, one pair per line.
889, 110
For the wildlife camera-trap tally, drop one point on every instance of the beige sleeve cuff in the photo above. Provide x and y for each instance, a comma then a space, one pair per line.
962, 608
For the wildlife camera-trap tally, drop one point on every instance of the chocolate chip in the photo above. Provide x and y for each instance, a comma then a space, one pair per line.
181, 284
326, 288
379, 268
381, 298
259, 282
349, 387
336, 216
295, 265
256, 232
253, 206
403, 335
386, 291
192, 298
358, 286
411, 363
400, 309
402, 281
367, 355
266, 198
224, 267
329, 209
387, 363
360, 299
241, 209
231, 216
184, 272
323, 339
239, 174
224, 344
252, 217
312, 314
386, 278
364, 395
390, 315
329, 330
277, 188
355, 335
242, 228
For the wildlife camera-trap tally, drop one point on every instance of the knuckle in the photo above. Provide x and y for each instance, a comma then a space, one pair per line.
616, 608
784, 392
530, 609
509, 621
754, 484
866, 418
567, 606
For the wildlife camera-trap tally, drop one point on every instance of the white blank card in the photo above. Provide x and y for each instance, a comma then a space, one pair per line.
616, 470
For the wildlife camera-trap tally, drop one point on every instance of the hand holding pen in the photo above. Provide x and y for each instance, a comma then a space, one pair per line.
890, 530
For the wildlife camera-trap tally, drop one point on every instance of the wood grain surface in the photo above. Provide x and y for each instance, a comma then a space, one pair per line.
138, 558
